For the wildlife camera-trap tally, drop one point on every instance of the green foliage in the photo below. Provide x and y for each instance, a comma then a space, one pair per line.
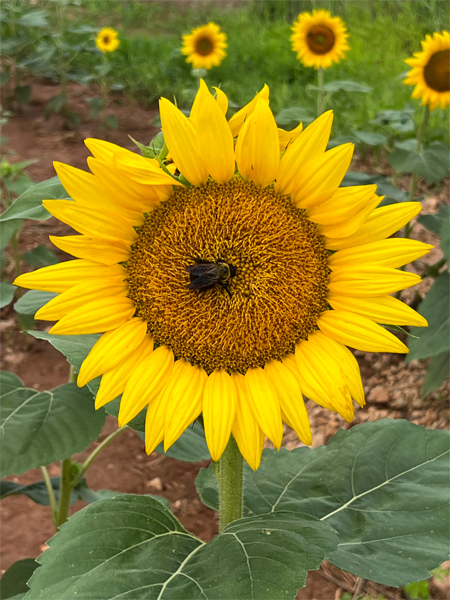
41, 256
382, 486
7, 292
431, 163
29, 204
166, 561
38, 428
37, 491
418, 590
32, 301
190, 447
14, 580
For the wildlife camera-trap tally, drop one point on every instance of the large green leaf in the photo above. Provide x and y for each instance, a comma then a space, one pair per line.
345, 86
74, 347
37, 491
14, 580
41, 256
434, 339
190, 447
370, 138
38, 428
7, 292
7, 230
384, 487
437, 372
29, 204
131, 547
445, 237
384, 188
431, 163
291, 116
435, 222
32, 301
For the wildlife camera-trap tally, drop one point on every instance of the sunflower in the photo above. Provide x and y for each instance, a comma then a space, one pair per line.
107, 40
319, 39
430, 71
205, 46
228, 292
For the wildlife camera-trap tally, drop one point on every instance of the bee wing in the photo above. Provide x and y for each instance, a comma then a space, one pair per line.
199, 270
204, 282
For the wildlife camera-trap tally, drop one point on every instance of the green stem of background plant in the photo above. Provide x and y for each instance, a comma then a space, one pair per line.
420, 137
319, 91
231, 485
51, 495
104, 90
15, 249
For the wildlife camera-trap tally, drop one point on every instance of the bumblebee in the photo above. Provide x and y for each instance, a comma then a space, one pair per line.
205, 275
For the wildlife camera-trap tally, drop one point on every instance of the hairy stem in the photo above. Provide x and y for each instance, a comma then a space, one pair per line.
319, 91
230, 479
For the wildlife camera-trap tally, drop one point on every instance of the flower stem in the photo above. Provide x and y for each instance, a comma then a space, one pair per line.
420, 137
319, 91
230, 479
65, 492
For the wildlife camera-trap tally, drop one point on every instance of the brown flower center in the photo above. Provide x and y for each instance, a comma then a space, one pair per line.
437, 71
320, 39
274, 298
204, 46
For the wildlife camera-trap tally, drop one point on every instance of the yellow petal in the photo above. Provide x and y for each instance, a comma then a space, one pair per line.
257, 147
154, 424
341, 355
293, 409
321, 381
90, 220
181, 140
264, 404
107, 252
319, 179
97, 316
79, 295
222, 100
58, 278
239, 118
245, 430
359, 332
346, 202
185, 401
111, 349
393, 252
383, 309
286, 138
382, 223
219, 406
369, 280
146, 382
114, 381
214, 137
141, 169
310, 144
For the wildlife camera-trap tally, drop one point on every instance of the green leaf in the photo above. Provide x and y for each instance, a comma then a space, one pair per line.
36, 18
382, 486
74, 347
96, 105
41, 256
55, 104
14, 580
345, 86
146, 151
37, 491
32, 301
435, 338
8, 229
370, 138
190, 447
7, 292
435, 222
131, 547
445, 237
437, 372
290, 117
38, 428
23, 93
431, 163
391, 117
384, 188
29, 204
90, 496
111, 122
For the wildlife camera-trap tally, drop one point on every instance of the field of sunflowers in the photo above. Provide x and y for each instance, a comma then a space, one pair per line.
225, 299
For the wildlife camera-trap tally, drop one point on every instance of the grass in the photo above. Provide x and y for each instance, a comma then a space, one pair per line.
382, 34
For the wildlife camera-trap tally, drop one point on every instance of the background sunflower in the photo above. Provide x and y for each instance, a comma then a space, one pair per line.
205, 46
107, 40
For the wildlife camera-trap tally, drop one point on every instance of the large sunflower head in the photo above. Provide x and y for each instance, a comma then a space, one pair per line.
430, 71
205, 46
319, 39
233, 287
107, 40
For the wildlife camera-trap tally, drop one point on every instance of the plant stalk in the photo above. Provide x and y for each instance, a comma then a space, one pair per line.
51, 495
230, 480
66, 488
319, 91
420, 137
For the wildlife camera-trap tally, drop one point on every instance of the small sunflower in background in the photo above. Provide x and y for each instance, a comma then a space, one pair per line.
205, 46
234, 294
319, 39
430, 71
107, 40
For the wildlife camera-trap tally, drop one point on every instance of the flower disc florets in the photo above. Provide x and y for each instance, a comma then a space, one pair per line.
272, 303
